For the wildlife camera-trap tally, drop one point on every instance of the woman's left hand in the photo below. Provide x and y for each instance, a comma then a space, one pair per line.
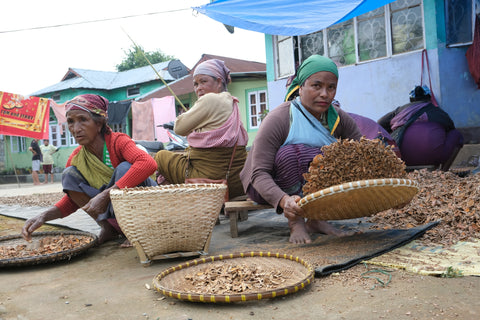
291, 210
98, 204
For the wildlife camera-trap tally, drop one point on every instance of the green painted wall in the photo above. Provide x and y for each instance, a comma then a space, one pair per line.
239, 89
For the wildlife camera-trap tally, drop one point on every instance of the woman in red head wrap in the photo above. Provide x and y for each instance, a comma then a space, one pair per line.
104, 160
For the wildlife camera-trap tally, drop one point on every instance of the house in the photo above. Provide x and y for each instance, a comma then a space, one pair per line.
379, 52
115, 86
249, 85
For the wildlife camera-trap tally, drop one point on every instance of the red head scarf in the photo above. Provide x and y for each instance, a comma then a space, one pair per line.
92, 103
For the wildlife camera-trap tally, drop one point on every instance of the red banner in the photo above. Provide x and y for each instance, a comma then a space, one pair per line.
24, 117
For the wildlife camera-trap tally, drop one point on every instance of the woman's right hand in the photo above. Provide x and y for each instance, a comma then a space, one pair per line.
34, 223
291, 210
31, 225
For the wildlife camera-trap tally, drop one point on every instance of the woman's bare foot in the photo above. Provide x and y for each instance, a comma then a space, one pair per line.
298, 231
126, 244
107, 232
320, 226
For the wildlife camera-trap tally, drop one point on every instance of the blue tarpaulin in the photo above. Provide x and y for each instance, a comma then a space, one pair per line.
287, 17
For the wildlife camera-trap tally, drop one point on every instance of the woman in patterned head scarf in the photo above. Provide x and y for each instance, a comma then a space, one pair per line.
214, 132
104, 160
290, 136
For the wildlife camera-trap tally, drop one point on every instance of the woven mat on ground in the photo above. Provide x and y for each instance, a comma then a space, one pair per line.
266, 231
461, 259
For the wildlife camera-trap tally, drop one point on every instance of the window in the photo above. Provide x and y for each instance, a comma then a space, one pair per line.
341, 43
119, 127
312, 44
257, 106
459, 21
61, 140
18, 144
56, 97
372, 40
285, 56
407, 25
134, 91
389, 30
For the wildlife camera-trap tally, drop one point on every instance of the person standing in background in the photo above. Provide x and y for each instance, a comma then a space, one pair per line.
36, 159
47, 163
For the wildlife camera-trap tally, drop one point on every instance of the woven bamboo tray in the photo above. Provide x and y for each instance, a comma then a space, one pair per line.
162, 220
358, 199
299, 274
14, 240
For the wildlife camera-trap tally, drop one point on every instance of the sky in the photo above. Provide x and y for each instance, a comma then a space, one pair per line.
35, 57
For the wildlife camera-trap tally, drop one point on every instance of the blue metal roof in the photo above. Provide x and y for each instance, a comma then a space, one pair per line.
107, 80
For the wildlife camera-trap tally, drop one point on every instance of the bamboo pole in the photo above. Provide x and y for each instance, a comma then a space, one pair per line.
158, 74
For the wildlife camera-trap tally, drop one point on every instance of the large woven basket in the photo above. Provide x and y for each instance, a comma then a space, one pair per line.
168, 219
358, 199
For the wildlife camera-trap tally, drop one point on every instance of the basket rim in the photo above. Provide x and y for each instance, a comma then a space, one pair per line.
347, 189
228, 298
169, 188
51, 257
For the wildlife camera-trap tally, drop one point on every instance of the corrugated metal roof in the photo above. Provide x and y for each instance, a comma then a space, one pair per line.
107, 80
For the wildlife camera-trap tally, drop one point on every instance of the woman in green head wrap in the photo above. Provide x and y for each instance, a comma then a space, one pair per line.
289, 137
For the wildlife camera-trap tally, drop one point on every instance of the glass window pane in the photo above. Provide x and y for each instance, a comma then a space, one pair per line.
401, 4
371, 14
263, 96
311, 44
341, 43
372, 42
286, 63
458, 21
407, 30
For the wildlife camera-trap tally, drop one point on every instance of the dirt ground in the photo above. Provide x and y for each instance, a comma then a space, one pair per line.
108, 282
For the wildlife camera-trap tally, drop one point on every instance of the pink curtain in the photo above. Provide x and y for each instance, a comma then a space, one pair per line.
142, 121
59, 111
163, 112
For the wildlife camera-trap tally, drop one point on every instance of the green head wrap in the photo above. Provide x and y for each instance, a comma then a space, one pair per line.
313, 64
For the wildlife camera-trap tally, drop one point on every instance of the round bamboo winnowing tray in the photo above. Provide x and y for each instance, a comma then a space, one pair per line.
169, 218
65, 254
298, 274
358, 199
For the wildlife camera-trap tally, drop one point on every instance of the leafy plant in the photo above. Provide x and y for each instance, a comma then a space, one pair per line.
452, 272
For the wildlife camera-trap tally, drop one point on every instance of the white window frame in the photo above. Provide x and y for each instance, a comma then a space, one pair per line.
20, 144
282, 64
64, 140
257, 116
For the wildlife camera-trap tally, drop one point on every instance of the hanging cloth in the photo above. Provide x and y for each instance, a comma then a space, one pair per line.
473, 54
118, 112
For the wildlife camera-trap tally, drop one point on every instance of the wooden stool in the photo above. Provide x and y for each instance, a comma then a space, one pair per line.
238, 211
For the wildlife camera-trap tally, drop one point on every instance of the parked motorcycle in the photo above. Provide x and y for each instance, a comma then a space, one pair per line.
176, 142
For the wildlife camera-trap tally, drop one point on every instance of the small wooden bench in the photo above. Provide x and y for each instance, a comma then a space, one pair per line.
237, 210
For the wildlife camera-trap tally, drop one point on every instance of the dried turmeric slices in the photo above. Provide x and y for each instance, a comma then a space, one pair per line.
349, 160
44, 247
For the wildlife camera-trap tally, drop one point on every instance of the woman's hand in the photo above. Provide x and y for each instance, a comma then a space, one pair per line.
34, 223
291, 210
98, 204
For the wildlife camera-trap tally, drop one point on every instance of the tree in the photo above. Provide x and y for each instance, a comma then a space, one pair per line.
135, 59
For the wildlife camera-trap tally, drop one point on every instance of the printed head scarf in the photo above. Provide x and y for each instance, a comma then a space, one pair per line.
92, 103
214, 68
313, 64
